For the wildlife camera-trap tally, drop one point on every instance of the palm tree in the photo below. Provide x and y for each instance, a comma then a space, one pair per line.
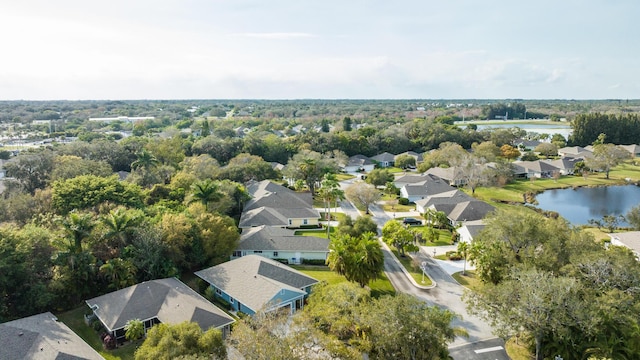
205, 192
463, 250
134, 329
118, 223
120, 273
359, 259
77, 227
145, 160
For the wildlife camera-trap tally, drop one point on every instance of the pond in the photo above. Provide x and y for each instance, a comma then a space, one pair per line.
563, 129
581, 204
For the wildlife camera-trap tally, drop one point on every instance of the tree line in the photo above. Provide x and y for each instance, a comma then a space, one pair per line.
621, 129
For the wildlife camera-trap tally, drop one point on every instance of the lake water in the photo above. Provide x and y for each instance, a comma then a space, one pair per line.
564, 130
582, 204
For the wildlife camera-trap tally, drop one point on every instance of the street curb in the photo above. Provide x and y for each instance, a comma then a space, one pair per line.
413, 281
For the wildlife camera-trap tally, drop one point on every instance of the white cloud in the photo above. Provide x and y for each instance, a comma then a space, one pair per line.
277, 35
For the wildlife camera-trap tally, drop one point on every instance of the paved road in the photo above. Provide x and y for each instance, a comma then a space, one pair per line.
485, 350
447, 295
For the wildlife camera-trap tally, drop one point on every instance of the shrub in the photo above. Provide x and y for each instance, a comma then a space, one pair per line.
453, 255
403, 201
313, 262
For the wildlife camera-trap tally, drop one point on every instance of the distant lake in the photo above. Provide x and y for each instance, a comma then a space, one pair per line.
563, 129
582, 204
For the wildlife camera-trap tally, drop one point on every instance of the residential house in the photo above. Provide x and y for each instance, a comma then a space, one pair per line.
469, 230
358, 163
277, 166
538, 168
414, 154
448, 174
253, 283
275, 205
448, 197
407, 179
633, 149
42, 337
471, 210
429, 186
157, 301
572, 151
629, 239
566, 165
384, 160
281, 244
526, 145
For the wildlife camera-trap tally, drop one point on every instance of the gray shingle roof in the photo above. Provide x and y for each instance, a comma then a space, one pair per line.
268, 238
430, 185
470, 210
169, 300
252, 283
384, 157
42, 337
359, 160
448, 197
274, 205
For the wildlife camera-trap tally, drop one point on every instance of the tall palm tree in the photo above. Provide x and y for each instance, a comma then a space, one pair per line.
205, 192
77, 227
118, 223
145, 160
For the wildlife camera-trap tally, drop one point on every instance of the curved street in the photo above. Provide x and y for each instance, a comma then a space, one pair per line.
447, 294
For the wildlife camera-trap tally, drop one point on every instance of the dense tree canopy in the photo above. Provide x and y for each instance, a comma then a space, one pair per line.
557, 285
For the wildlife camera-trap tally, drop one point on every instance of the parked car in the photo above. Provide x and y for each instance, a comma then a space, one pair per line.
411, 221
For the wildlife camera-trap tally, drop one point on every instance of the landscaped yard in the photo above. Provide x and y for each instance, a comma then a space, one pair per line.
378, 287
321, 233
412, 268
514, 192
443, 237
74, 319
469, 280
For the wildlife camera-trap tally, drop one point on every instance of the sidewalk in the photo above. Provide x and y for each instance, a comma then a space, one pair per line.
449, 266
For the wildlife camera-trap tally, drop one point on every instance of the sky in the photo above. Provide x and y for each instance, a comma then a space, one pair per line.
323, 49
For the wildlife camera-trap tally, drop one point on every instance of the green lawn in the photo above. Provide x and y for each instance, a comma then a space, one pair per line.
514, 192
444, 236
343, 177
378, 287
74, 319
413, 268
321, 233
469, 280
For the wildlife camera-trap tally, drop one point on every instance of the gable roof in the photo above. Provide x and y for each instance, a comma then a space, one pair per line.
447, 197
410, 179
443, 173
268, 238
42, 336
384, 157
417, 156
254, 280
470, 210
537, 166
633, 149
571, 150
430, 185
274, 205
566, 163
359, 160
170, 300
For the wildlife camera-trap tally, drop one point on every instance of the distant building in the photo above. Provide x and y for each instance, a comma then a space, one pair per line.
123, 119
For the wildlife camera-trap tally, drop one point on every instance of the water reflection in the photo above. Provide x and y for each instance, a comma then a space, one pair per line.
581, 204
